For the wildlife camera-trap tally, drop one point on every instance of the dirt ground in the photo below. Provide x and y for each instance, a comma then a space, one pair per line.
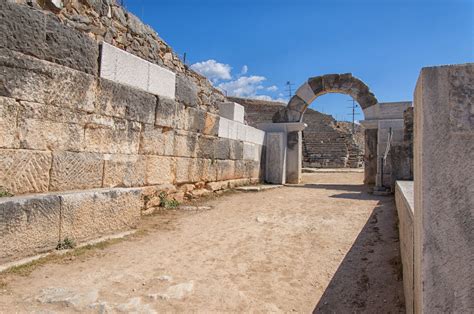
325, 246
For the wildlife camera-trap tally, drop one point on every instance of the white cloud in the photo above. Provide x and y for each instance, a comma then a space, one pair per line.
272, 88
244, 86
244, 70
213, 70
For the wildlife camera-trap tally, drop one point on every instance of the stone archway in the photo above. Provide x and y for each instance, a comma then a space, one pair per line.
320, 85
291, 116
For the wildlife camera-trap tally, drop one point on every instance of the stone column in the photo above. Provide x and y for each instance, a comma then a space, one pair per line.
370, 156
291, 146
444, 189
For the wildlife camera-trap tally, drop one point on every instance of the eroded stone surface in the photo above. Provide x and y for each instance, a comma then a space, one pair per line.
124, 170
24, 171
159, 170
8, 123
30, 79
28, 225
91, 214
75, 171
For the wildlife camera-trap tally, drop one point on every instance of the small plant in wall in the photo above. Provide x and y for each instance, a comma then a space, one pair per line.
4, 192
167, 203
66, 244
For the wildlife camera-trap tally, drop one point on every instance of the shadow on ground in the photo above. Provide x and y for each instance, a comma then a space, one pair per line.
369, 279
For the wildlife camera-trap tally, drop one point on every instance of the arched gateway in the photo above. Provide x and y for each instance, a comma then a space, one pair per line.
284, 140
320, 85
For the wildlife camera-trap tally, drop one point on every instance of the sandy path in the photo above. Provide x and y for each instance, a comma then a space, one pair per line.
325, 246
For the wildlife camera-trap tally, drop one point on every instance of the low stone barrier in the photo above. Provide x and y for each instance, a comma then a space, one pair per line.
404, 199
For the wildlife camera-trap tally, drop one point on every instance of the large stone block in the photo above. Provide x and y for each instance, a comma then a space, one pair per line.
120, 66
185, 144
126, 102
232, 111
222, 148
161, 81
225, 170
29, 79
185, 169
8, 123
250, 151
122, 137
159, 170
76, 171
91, 214
206, 147
197, 120
211, 124
236, 149
24, 171
44, 36
124, 170
156, 141
186, 91
166, 113
28, 225
444, 189
49, 135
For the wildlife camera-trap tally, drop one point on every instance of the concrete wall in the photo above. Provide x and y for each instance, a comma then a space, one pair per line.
404, 199
85, 131
444, 189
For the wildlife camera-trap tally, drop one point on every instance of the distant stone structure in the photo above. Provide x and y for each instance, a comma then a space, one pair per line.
327, 143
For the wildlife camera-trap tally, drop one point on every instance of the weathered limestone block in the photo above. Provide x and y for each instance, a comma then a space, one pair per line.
118, 100
253, 169
222, 148
207, 170
206, 147
90, 214
44, 36
8, 123
185, 144
185, 168
241, 169
48, 135
236, 149
211, 124
28, 225
24, 171
250, 151
186, 91
225, 170
159, 170
197, 120
76, 171
444, 189
29, 79
191, 170
181, 117
123, 137
124, 171
166, 113
156, 141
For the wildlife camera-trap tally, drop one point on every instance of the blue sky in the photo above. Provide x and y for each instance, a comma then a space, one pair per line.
253, 47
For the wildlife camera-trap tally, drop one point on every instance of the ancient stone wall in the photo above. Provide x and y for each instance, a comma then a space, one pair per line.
85, 156
326, 142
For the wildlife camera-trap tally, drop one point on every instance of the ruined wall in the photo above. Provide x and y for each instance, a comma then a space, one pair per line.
401, 154
92, 154
326, 142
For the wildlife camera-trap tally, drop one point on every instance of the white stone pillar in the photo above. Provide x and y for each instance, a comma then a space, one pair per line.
444, 190
283, 151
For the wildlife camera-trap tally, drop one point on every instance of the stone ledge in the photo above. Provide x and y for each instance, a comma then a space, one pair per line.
33, 224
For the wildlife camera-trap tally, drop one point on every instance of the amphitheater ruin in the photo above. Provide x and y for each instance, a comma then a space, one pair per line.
104, 130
